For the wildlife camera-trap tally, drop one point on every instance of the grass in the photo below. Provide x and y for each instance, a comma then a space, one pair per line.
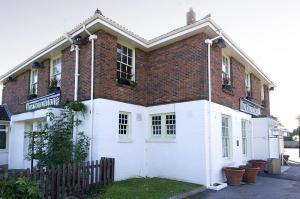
146, 188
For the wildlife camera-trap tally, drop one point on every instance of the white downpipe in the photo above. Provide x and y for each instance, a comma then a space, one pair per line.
92, 38
76, 72
209, 44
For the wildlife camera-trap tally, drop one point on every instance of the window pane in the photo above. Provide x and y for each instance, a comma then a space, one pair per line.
2, 140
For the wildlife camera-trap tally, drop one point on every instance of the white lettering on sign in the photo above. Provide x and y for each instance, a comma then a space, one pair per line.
250, 107
42, 102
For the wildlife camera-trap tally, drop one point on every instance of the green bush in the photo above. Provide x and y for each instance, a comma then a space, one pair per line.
19, 188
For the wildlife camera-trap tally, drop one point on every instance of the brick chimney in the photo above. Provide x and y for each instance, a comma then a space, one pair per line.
190, 17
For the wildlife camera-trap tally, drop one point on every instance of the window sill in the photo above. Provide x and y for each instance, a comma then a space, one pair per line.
161, 140
126, 82
125, 140
3, 150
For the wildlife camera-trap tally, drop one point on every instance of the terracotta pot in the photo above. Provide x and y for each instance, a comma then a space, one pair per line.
234, 175
250, 173
259, 163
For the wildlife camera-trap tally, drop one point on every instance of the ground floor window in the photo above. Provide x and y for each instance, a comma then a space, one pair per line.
245, 137
124, 124
226, 136
3, 137
163, 125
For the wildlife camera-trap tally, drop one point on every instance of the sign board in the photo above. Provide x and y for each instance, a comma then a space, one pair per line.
249, 107
43, 102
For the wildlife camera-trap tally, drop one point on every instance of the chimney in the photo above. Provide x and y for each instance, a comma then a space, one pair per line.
190, 17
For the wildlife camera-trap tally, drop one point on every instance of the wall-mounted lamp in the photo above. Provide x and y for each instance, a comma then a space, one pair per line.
77, 40
221, 43
36, 65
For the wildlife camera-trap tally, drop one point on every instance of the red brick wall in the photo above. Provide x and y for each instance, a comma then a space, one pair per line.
16, 92
178, 72
174, 73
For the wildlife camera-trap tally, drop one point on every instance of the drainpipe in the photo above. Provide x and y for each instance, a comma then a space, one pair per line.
209, 43
92, 39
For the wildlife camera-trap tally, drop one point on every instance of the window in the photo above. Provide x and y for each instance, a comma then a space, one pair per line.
3, 132
226, 80
55, 71
248, 84
262, 92
124, 122
226, 141
245, 137
125, 63
163, 125
33, 81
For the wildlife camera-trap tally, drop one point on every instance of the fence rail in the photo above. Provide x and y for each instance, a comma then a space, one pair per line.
70, 179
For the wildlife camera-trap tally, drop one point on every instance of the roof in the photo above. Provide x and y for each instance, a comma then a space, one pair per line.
4, 113
98, 21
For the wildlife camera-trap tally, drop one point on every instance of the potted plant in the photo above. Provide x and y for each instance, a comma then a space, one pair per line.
126, 81
31, 96
234, 175
53, 86
250, 173
76, 106
259, 163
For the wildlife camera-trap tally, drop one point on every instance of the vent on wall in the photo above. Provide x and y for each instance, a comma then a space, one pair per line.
139, 117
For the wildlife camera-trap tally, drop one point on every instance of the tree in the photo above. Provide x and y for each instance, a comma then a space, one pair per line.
53, 142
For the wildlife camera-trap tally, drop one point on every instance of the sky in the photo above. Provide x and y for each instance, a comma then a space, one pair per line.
267, 30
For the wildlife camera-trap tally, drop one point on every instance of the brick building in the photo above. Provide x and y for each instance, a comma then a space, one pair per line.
149, 101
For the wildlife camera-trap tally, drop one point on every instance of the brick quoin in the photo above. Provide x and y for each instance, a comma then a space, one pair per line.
173, 73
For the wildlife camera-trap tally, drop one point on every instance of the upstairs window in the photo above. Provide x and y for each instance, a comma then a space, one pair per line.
55, 71
3, 137
262, 92
33, 81
226, 78
125, 63
163, 125
248, 84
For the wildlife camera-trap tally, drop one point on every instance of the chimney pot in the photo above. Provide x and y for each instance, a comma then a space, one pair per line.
190, 17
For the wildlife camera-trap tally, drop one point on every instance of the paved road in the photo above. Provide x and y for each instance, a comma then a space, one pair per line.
264, 188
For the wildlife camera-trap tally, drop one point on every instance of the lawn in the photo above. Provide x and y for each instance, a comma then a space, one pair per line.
146, 188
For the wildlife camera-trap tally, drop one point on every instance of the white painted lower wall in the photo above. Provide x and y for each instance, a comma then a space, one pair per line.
184, 158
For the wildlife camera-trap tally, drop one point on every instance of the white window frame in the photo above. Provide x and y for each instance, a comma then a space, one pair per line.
227, 155
32, 82
262, 92
132, 66
246, 137
127, 135
226, 69
6, 136
248, 83
164, 127
52, 76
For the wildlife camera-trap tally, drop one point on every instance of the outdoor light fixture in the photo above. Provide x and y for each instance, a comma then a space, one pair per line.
221, 43
77, 40
36, 65
10, 78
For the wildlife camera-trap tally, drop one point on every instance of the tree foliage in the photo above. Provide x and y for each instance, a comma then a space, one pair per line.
53, 142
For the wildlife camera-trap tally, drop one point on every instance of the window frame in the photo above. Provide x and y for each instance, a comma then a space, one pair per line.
227, 72
248, 83
163, 126
33, 83
57, 57
228, 155
123, 44
262, 92
246, 137
6, 130
126, 136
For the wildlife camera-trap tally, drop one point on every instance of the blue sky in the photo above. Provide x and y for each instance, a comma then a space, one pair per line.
266, 30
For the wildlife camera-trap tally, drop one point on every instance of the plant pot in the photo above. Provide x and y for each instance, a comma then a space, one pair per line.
261, 164
234, 175
286, 157
250, 173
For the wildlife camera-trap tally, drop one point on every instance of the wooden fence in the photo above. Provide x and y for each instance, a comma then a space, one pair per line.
71, 179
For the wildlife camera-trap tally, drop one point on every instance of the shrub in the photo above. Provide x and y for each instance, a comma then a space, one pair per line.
19, 188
